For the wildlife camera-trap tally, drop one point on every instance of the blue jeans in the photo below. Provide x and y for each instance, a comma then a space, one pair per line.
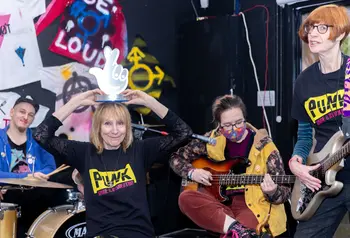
325, 221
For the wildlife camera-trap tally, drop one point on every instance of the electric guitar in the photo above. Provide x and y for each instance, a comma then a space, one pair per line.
304, 201
223, 174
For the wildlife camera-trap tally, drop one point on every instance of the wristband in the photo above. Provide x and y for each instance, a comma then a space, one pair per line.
190, 174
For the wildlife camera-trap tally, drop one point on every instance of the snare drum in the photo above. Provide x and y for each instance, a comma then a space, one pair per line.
8, 219
59, 222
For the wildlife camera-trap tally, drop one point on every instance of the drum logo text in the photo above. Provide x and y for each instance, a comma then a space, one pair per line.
76, 231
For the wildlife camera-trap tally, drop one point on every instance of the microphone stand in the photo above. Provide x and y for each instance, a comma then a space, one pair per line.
144, 128
211, 141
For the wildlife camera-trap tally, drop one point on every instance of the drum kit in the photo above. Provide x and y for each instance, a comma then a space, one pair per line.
65, 221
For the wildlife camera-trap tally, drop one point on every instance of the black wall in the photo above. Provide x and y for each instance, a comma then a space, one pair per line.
214, 57
208, 66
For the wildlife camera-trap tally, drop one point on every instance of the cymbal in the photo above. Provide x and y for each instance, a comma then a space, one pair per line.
33, 182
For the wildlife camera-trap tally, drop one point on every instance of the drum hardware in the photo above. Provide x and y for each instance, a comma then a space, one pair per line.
77, 207
19, 212
53, 209
73, 196
22, 188
71, 211
1, 214
76, 199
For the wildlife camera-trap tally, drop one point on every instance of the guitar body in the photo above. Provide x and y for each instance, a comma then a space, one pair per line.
216, 168
304, 201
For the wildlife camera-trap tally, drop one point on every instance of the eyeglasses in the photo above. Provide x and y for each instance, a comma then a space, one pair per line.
238, 124
321, 28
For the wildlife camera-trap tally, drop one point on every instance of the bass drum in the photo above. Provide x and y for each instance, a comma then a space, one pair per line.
59, 222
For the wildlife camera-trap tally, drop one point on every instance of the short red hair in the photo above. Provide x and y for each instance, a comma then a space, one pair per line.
330, 14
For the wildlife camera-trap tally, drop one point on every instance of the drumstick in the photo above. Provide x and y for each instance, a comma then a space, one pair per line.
62, 165
59, 169
56, 170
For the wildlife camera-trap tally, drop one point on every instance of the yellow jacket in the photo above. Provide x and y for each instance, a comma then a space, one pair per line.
254, 197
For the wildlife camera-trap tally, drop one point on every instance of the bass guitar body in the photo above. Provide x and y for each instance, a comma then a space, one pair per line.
305, 202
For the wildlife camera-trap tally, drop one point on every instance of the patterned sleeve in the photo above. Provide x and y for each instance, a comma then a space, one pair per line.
179, 133
275, 167
73, 152
180, 160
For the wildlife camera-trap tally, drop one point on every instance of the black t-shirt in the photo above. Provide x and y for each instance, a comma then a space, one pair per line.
120, 208
109, 209
318, 99
18, 163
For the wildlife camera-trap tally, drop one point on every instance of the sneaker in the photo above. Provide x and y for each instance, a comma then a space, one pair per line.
237, 230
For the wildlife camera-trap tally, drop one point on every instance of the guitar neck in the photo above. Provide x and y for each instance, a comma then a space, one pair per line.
336, 157
232, 179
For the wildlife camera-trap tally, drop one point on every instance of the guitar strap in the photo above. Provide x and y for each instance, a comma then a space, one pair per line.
346, 102
264, 224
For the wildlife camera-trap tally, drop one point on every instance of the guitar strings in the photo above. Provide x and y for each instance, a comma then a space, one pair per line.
249, 176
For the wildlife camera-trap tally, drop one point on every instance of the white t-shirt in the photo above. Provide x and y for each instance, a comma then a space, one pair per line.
19, 52
66, 81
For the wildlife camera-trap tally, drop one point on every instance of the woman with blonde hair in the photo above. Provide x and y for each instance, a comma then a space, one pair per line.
113, 166
318, 104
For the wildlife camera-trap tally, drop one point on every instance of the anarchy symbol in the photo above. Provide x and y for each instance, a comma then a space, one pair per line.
75, 85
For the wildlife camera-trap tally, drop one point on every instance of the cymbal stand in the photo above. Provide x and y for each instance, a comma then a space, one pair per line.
138, 134
22, 188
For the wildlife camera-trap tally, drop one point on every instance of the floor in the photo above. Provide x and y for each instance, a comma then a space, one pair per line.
343, 230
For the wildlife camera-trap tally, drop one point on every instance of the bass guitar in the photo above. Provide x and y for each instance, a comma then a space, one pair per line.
304, 201
223, 174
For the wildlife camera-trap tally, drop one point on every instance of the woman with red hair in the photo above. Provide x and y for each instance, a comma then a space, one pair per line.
318, 105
